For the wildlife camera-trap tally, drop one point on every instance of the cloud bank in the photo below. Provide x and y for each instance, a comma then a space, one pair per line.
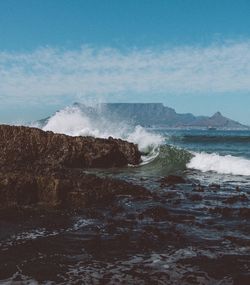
50, 75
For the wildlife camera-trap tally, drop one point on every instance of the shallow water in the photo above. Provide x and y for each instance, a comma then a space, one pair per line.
185, 234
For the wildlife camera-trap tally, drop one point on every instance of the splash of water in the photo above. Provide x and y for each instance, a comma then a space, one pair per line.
77, 122
73, 121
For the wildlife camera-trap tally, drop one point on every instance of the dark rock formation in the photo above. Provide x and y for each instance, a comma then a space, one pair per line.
43, 168
30, 146
61, 189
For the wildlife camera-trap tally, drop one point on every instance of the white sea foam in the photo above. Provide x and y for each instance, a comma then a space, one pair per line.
70, 121
221, 164
73, 121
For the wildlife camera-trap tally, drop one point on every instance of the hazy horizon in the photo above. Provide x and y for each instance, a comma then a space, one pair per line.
93, 104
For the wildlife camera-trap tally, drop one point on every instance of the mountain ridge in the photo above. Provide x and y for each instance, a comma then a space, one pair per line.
159, 115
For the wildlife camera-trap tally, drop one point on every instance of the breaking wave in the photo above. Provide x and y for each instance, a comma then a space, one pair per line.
227, 164
74, 122
172, 159
157, 156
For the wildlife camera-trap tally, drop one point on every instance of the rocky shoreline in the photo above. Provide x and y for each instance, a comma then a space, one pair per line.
62, 225
40, 168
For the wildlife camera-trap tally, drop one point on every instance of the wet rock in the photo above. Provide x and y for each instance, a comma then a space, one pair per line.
22, 146
236, 198
172, 180
151, 237
195, 197
244, 213
76, 190
224, 211
157, 213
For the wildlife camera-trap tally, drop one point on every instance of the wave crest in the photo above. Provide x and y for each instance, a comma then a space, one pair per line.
227, 164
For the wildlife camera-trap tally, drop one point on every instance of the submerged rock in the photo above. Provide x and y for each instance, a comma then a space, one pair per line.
236, 198
172, 180
195, 197
62, 189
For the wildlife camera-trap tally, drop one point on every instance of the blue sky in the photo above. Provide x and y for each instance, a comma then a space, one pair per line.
191, 55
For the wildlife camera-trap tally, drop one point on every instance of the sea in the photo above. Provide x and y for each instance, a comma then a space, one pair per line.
195, 232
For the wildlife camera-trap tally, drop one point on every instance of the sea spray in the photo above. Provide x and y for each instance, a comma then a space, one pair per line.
73, 121
70, 121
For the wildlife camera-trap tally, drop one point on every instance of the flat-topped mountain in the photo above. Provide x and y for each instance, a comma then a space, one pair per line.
156, 114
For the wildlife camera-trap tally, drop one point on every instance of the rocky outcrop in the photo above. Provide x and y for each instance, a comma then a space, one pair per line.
22, 146
47, 169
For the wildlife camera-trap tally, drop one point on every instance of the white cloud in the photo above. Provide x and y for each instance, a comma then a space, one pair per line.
48, 75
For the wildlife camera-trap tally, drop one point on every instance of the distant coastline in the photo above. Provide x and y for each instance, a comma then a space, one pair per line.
156, 115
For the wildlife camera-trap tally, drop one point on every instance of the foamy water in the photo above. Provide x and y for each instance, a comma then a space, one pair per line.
227, 164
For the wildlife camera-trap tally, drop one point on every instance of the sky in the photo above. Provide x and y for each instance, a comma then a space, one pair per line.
191, 55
